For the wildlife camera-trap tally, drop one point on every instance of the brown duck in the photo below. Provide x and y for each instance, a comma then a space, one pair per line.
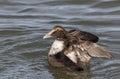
74, 48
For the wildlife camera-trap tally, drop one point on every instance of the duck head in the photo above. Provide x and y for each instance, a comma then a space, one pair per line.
56, 32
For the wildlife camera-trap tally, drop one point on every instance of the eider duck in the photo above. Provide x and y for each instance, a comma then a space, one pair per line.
74, 48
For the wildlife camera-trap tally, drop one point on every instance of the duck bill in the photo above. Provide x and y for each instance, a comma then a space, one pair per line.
48, 35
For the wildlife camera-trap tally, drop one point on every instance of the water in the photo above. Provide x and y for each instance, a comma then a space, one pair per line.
23, 52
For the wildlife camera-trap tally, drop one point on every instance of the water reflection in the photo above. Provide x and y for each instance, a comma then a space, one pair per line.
62, 73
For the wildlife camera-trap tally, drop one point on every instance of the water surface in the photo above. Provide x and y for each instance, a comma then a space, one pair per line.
23, 52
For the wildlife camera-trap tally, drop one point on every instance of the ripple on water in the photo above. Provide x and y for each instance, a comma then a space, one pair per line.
106, 68
22, 57
23, 53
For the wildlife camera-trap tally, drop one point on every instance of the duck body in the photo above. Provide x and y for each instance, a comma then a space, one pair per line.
57, 57
73, 49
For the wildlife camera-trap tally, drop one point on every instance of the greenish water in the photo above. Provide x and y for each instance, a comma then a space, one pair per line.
23, 52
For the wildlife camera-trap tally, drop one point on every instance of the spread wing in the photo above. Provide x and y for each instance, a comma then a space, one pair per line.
84, 51
86, 36
96, 50
76, 55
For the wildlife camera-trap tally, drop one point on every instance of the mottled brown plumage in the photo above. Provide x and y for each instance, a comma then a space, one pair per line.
74, 48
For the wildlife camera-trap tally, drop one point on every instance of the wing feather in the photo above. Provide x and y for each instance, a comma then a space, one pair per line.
86, 36
96, 50
76, 55
71, 55
84, 51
